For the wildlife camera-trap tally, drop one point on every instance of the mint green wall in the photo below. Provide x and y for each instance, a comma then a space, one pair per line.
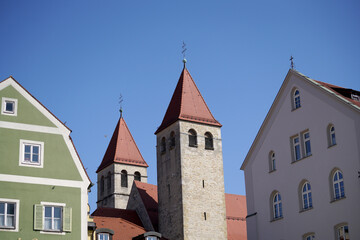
26, 112
58, 163
30, 194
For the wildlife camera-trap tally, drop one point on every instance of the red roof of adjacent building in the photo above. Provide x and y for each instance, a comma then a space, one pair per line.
236, 216
187, 104
122, 148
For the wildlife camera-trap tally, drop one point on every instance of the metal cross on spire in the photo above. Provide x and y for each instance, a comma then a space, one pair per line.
120, 103
183, 52
291, 62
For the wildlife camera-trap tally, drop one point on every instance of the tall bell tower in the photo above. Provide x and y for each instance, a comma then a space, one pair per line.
190, 167
121, 165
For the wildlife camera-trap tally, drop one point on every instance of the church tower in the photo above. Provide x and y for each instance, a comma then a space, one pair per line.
190, 168
122, 163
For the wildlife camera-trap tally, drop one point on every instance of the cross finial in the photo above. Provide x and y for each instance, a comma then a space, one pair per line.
183, 52
120, 103
291, 62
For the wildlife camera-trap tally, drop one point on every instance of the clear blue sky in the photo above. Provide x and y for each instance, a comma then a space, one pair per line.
76, 57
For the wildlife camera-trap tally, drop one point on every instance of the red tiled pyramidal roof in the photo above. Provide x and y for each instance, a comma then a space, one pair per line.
187, 104
122, 148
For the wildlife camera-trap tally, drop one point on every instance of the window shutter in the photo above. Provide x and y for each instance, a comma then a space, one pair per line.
67, 216
38, 217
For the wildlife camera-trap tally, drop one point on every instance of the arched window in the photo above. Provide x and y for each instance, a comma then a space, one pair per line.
172, 140
306, 196
163, 145
209, 142
277, 206
331, 135
109, 182
102, 185
272, 163
296, 99
192, 138
342, 231
338, 185
137, 176
309, 236
124, 178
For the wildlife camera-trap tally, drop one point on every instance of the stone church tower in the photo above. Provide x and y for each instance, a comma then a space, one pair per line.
122, 163
190, 168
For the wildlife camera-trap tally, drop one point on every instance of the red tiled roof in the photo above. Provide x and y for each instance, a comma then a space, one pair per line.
122, 148
342, 92
187, 104
128, 215
149, 196
236, 216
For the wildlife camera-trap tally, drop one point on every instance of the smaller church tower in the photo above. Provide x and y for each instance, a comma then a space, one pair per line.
121, 165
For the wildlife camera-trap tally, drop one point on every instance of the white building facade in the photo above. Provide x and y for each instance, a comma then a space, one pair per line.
302, 170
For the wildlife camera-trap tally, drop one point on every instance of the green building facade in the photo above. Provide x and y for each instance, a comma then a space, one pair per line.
43, 184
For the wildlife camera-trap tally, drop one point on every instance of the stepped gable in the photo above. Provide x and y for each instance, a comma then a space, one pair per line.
187, 104
122, 148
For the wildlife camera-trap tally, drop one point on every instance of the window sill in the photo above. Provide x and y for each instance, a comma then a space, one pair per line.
8, 229
171, 147
194, 146
52, 232
273, 170
301, 159
305, 210
276, 219
294, 109
337, 199
332, 146
163, 152
209, 148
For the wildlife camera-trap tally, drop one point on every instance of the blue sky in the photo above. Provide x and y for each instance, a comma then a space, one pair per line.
77, 57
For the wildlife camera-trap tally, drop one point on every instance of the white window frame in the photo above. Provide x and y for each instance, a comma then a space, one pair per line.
104, 234
296, 99
308, 194
338, 183
53, 204
332, 136
342, 227
272, 162
296, 147
3, 108
277, 206
17, 210
22, 161
307, 152
309, 236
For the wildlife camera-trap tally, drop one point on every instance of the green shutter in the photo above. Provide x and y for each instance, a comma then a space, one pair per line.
67, 212
38, 217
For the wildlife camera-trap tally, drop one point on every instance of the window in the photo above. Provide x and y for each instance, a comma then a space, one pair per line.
307, 147
172, 140
109, 182
296, 148
306, 196
272, 162
209, 142
137, 176
102, 185
163, 146
124, 178
338, 185
309, 236
342, 232
9, 214
31, 153
152, 238
52, 217
9, 106
192, 138
277, 206
331, 135
103, 236
296, 99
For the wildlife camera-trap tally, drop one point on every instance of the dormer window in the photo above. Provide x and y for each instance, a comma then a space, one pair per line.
355, 97
296, 99
9, 106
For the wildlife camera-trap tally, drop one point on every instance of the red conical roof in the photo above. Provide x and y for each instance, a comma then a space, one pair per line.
122, 148
187, 104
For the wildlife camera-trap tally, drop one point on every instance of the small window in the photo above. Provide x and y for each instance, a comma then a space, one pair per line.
52, 217
124, 178
277, 206
296, 148
272, 162
331, 135
109, 182
192, 138
137, 176
309, 236
102, 185
163, 146
31, 153
342, 232
103, 236
307, 146
9, 214
9, 106
338, 185
209, 142
306, 196
296, 99
172, 140
152, 238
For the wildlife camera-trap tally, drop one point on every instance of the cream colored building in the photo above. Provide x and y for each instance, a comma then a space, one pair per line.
302, 170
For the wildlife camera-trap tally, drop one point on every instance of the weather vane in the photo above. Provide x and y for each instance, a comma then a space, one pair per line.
292, 62
183, 52
120, 103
